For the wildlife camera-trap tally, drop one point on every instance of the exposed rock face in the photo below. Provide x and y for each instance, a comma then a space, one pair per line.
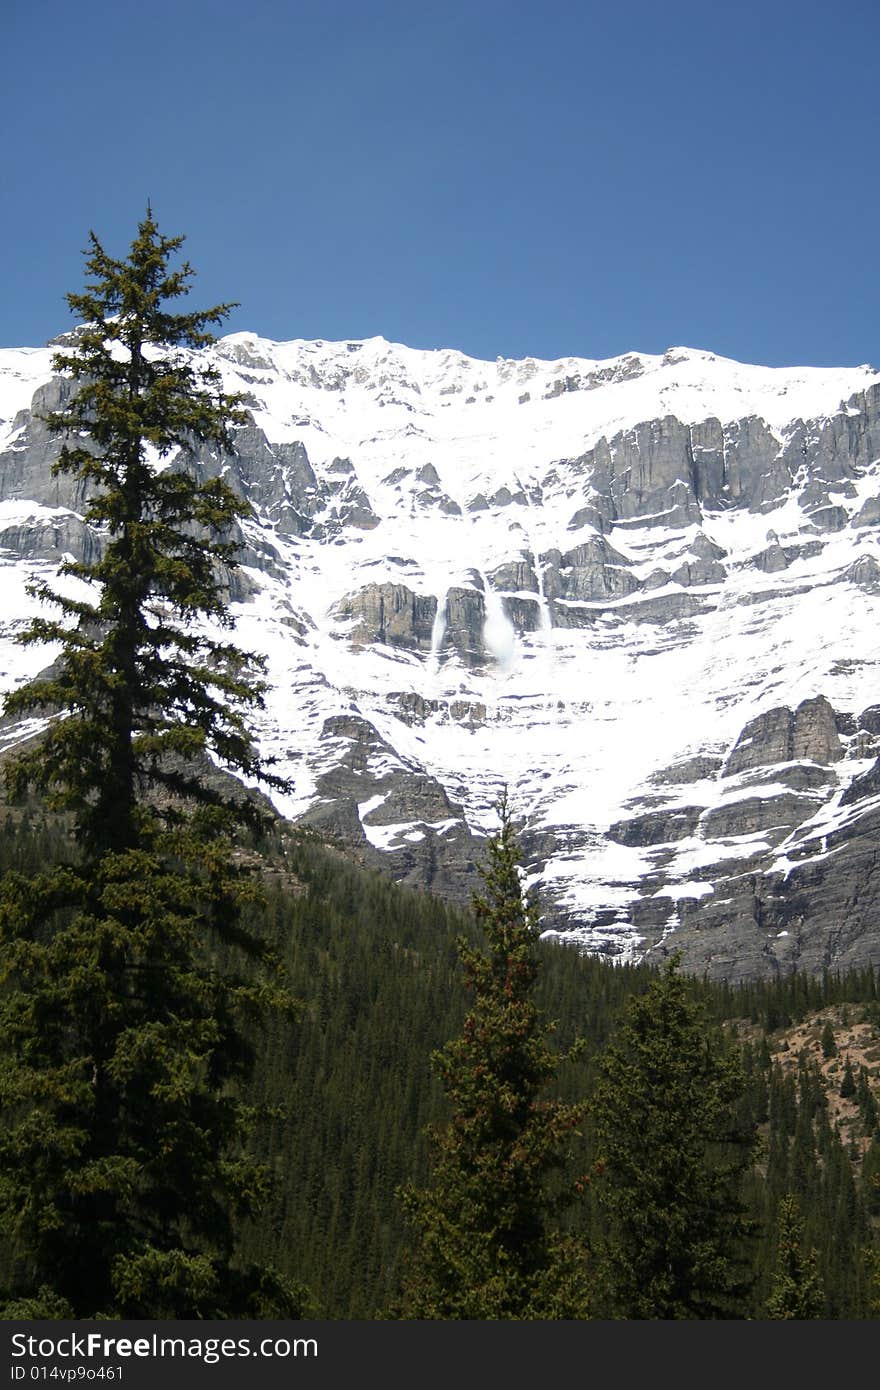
391, 814
594, 570
393, 614
699, 571
688, 770
524, 614
782, 735
515, 576
346, 503
665, 471
49, 539
415, 709
756, 472
646, 468
657, 827
666, 467
819, 913
465, 622
25, 466
869, 719
865, 572
277, 480
771, 560
789, 865
774, 815
868, 514
390, 613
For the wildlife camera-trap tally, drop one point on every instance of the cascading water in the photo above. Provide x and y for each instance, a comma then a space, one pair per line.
498, 634
438, 632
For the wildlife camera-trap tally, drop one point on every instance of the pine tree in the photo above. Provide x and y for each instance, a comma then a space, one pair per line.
848, 1081
130, 984
144, 692
797, 1290
490, 1242
671, 1160
866, 1103
870, 1178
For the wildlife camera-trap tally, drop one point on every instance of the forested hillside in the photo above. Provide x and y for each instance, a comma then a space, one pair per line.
374, 970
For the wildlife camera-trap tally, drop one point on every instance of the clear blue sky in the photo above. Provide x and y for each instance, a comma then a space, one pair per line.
506, 177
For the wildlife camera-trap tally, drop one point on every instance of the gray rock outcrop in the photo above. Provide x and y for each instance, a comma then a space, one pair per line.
465, 620
425, 839
390, 613
783, 735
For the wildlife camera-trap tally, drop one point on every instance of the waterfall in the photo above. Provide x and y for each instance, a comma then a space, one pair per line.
438, 631
498, 634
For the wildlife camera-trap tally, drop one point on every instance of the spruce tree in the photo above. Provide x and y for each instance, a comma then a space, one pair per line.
848, 1081
672, 1154
490, 1242
829, 1045
797, 1290
130, 983
144, 692
866, 1103
870, 1179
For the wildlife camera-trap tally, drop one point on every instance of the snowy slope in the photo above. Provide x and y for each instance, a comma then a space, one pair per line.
613, 566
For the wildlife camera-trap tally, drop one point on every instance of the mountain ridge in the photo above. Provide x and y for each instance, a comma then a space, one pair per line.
582, 580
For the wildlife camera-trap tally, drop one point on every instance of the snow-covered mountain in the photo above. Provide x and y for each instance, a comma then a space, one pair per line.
642, 593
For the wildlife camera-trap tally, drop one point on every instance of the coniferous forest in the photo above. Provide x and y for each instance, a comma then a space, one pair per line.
243, 1077
346, 1091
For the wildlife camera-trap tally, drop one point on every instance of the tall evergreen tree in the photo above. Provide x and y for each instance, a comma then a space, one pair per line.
671, 1159
797, 1290
129, 982
144, 692
489, 1237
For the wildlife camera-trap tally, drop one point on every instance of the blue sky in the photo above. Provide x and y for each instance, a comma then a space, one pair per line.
501, 176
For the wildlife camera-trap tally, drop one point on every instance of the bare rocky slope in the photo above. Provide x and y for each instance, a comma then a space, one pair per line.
642, 594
